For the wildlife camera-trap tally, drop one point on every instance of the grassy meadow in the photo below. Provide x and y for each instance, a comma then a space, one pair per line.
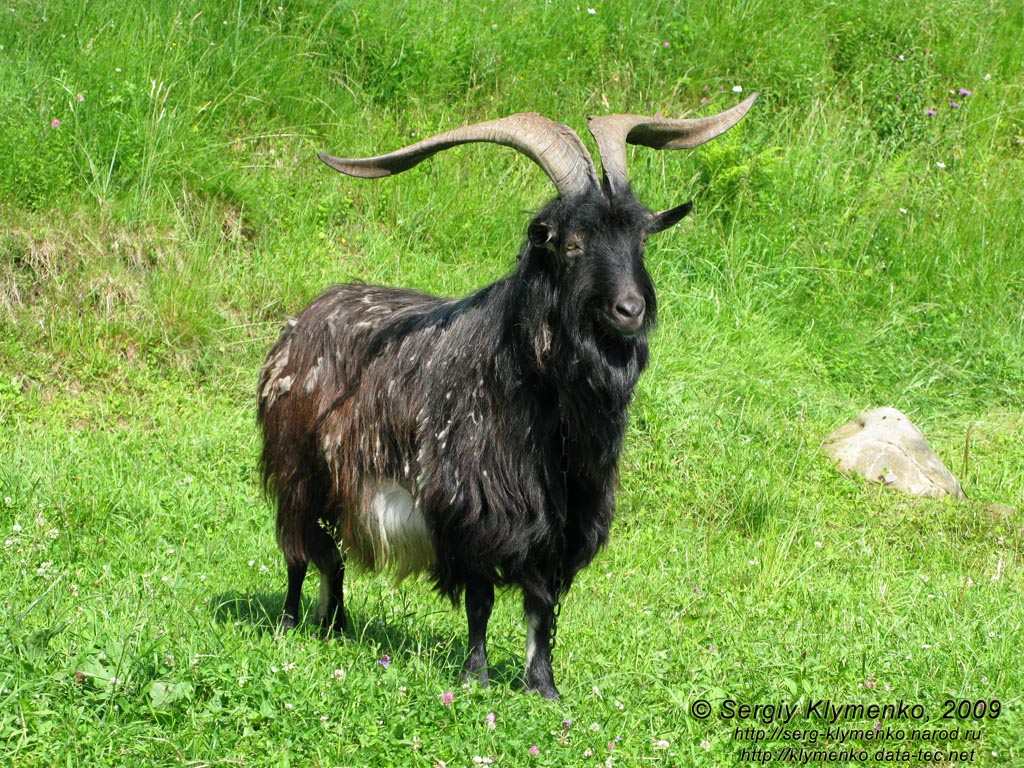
856, 241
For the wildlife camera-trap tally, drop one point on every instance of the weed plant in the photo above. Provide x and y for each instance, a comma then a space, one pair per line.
856, 242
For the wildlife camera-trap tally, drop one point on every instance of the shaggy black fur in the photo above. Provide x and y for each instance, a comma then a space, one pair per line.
501, 414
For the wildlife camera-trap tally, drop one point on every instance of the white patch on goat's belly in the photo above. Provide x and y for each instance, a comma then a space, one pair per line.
398, 530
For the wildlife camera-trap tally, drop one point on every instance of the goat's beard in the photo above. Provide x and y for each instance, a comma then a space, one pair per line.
590, 353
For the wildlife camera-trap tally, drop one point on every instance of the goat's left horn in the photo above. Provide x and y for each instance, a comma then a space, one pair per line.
553, 146
613, 132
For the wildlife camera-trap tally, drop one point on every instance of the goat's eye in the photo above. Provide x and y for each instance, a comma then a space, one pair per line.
574, 248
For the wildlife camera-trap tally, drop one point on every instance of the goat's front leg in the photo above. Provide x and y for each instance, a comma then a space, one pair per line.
540, 620
479, 602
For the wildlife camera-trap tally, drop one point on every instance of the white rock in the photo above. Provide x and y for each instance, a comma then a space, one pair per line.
885, 447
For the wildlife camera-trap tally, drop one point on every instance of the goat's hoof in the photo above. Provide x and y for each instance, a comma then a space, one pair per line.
548, 692
545, 691
335, 626
481, 676
288, 623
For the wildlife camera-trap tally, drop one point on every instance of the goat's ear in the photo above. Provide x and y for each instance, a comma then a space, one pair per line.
541, 234
661, 221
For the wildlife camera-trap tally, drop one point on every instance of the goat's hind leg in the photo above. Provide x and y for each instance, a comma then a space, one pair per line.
324, 554
293, 597
330, 607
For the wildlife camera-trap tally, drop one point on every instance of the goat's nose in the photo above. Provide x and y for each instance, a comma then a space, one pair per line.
629, 311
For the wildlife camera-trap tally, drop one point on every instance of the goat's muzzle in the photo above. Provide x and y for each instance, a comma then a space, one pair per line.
627, 313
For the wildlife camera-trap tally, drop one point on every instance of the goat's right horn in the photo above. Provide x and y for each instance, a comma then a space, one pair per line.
553, 146
613, 132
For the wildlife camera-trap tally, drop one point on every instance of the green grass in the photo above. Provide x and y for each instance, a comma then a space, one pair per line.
847, 250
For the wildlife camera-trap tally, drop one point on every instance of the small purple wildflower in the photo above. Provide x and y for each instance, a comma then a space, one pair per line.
55, 123
666, 44
954, 105
490, 721
384, 661
964, 92
447, 698
534, 750
930, 112
79, 98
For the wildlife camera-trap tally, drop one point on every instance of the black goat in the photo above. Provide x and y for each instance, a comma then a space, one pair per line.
475, 438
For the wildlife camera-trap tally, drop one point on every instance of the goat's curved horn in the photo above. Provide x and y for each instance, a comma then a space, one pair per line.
553, 146
613, 132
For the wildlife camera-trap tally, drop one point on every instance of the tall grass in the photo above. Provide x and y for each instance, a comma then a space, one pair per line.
855, 242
